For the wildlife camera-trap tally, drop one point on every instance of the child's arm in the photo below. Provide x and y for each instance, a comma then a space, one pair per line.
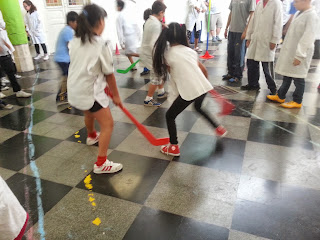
203, 69
111, 80
306, 40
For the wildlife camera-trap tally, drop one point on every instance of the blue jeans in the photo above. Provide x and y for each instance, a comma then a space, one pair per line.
298, 92
236, 53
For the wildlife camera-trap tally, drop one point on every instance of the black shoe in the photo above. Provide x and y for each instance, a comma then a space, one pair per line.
248, 87
226, 77
145, 73
133, 70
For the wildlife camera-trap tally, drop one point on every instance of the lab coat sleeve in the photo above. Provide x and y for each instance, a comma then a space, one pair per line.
26, 22
120, 31
277, 25
203, 6
38, 22
192, 3
307, 38
250, 28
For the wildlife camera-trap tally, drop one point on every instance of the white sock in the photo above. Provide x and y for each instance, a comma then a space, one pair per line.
161, 91
148, 98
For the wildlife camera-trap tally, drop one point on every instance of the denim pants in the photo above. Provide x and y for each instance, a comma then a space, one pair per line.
236, 52
298, 92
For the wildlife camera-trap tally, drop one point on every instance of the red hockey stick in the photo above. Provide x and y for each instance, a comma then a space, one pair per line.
227, 107
148, 135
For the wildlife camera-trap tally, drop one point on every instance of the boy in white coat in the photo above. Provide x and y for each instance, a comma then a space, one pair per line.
263, 34
296, 54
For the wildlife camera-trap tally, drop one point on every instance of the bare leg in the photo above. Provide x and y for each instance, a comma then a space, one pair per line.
89, 121
196, 40
218, 31
152, 89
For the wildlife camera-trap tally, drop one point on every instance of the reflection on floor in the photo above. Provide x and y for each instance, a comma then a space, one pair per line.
260, 182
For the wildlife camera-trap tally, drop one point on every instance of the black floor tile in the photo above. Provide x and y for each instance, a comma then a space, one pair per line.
243, 108
20, 119
268, 132
289, 212
36, 96
204, 150
131, 83
139, 96
120, 132
73, 111
37, 196
184, 121
14, 153
155, 224
135, 182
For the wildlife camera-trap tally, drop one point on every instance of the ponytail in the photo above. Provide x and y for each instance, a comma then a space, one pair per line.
160, 66
87, 20
176, 34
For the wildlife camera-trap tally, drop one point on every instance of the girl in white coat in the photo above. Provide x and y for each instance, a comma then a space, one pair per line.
34, 29
263, 34
296, 54
188, 77
193, 20
128, 32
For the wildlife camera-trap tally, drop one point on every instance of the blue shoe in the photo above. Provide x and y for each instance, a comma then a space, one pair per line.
152, 103
163, 95
234, 79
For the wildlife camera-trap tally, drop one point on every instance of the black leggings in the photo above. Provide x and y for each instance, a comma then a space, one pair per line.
177, 107
44, 47
196, 35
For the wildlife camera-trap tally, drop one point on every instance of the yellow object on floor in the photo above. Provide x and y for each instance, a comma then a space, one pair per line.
275, 98
291, 104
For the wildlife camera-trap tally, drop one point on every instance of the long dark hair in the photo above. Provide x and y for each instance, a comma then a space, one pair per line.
175, 33
87, 20
32, 7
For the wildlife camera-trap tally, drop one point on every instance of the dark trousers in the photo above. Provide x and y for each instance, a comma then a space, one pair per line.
236, 52
177, 107
254, 73
298, 92
44, 48
8, 67
64, 66
316, 54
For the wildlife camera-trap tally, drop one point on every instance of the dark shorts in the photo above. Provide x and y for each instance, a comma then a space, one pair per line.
96, 107
64, 68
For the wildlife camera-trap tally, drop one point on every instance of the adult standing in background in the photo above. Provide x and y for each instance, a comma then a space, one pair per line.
193, 20
239, 17
316, 55
215, 20
263, 35
34, 29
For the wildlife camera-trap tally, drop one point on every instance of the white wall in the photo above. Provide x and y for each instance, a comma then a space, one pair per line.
176, 12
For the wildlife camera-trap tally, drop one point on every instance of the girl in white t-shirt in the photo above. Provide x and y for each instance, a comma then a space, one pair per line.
188, 79
91, 70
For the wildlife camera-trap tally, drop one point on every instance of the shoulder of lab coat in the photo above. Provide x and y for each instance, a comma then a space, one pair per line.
308, 36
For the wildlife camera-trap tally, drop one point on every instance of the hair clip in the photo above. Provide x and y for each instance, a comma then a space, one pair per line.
85, 12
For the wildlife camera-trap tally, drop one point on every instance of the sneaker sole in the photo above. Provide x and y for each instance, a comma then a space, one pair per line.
61, 103
107, 172
171, 154
148, 105
162, 96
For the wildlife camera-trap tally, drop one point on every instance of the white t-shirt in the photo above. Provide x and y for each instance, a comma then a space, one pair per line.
185, 73
89, 63
4, 51
12, 214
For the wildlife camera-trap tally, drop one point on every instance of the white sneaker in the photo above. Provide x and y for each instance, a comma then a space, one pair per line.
22, 94
2, 95
107, 167
92, 141
199, 50
17, 76
6, 106
4, 88
46, 57
5, 80
37, 57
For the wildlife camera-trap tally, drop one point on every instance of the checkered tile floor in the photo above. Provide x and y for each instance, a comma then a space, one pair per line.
260, 182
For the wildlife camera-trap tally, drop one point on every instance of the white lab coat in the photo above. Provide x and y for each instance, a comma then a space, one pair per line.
193, 16
316, 4
299, 44
264, 28
13, 216
285, 10
34, 27
128, 32
4, 36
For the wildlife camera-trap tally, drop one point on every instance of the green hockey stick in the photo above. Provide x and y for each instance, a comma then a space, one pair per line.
128, 69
